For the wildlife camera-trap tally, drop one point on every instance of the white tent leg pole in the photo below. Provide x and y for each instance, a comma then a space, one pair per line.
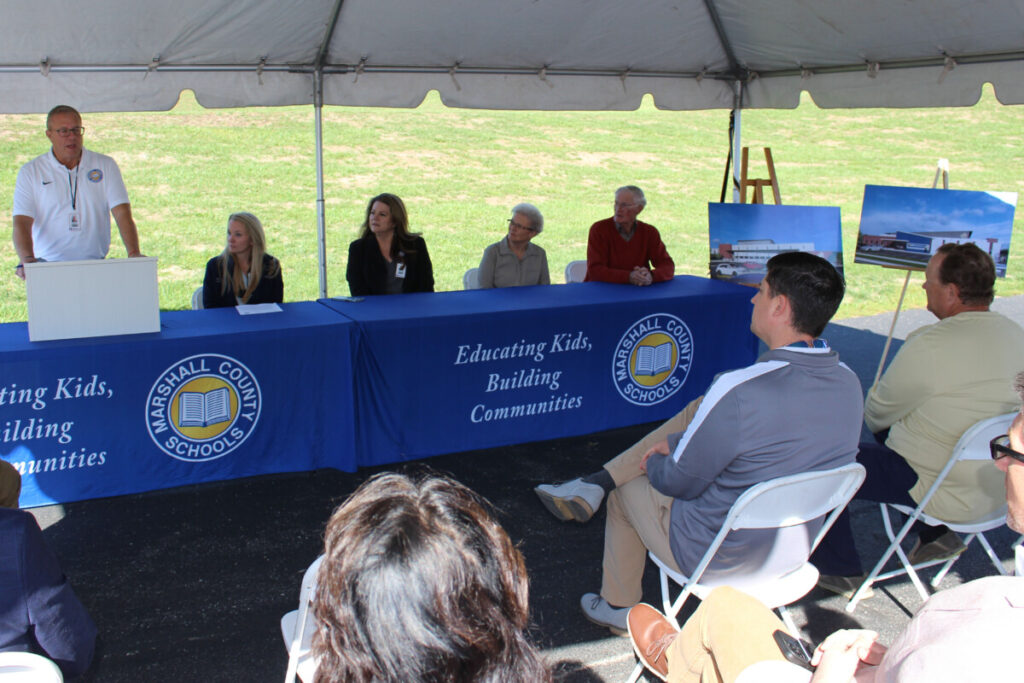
737, 143
321, 219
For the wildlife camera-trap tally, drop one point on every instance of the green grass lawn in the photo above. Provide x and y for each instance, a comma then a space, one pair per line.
460, 171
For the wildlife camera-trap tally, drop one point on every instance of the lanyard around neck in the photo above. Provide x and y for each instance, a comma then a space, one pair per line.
74, 189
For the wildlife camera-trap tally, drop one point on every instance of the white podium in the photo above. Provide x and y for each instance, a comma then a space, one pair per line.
96, 298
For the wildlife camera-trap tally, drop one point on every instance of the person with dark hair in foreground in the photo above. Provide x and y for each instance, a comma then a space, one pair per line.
945, 378
797, 409
419, 583
960, 634
38, 610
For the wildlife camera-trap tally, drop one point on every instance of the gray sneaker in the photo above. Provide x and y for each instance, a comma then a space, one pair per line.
597, 610
574, 499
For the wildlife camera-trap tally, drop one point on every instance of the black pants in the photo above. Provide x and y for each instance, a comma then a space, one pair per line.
889, 480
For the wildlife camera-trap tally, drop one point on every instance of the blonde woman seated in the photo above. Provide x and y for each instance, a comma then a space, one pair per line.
231, 279
419, 584
514, 261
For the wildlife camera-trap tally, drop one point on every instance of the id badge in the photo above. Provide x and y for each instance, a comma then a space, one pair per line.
73, 224
400, 271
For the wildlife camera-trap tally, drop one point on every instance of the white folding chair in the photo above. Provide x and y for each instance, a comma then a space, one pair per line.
774, 504
972, 445
26, 667
297, 629
575, 271
197, 300
471, 279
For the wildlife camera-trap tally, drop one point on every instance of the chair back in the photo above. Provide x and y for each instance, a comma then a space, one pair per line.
575, 271
26, 667
297, 649
197, 300
973, 443
796, 499
471, 279
788, 501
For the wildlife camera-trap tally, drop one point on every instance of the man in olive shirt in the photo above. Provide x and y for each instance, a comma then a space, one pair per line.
945, 378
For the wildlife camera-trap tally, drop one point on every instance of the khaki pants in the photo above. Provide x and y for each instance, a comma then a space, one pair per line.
638, 517
728, 632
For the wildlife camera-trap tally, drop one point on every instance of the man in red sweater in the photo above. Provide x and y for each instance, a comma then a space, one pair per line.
623, 250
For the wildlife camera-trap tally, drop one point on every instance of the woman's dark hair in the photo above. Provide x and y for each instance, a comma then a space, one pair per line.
420, 584
403, 240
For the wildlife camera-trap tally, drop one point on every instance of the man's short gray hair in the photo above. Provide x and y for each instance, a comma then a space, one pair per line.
1018, 384
531, 212
61, 109
638, 194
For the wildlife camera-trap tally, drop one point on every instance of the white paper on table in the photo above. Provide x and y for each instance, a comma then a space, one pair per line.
256, 309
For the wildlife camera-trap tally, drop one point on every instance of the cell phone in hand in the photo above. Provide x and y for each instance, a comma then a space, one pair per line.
793, 649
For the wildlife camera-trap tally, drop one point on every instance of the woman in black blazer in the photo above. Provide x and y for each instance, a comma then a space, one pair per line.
230, 277
387, 258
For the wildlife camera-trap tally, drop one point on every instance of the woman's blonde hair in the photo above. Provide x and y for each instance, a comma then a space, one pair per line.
258, 245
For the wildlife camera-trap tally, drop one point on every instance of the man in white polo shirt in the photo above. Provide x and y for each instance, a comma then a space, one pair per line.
63, 199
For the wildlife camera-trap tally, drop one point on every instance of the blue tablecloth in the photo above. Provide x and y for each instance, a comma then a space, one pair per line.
213, 395
454, 371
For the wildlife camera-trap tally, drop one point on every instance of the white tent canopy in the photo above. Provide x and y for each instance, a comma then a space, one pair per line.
130, 55
510, 54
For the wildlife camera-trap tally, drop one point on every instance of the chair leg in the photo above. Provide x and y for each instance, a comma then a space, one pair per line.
894, 547
912, 573
638, 671
787, 619
991, 554
671, 607
666, 597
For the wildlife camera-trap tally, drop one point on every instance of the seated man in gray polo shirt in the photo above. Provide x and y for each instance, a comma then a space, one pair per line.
796, 409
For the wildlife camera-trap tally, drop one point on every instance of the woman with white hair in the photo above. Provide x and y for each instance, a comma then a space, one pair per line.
244, 273
514, 261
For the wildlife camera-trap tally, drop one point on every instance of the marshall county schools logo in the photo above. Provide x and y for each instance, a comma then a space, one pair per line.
95, 175
203, 407
652, 359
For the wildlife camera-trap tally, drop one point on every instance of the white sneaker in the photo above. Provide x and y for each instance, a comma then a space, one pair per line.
597, 610
574, 499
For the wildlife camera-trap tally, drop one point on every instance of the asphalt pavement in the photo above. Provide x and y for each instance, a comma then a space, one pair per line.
189, 584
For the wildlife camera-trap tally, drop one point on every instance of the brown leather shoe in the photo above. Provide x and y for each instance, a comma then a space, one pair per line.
651, 634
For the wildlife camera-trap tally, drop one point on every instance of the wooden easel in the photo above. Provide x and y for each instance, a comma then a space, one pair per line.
942, 171
757, 183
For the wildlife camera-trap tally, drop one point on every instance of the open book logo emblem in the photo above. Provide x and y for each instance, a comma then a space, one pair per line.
652, 359
203, 407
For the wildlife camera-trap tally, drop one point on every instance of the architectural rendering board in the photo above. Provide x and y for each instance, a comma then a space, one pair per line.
744, 236
901, 227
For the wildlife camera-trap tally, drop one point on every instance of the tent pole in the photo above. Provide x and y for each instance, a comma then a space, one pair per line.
737, 141
321, 220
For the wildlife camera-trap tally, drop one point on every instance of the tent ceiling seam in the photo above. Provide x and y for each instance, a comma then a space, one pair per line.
332, 23
363, 68
736, 71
